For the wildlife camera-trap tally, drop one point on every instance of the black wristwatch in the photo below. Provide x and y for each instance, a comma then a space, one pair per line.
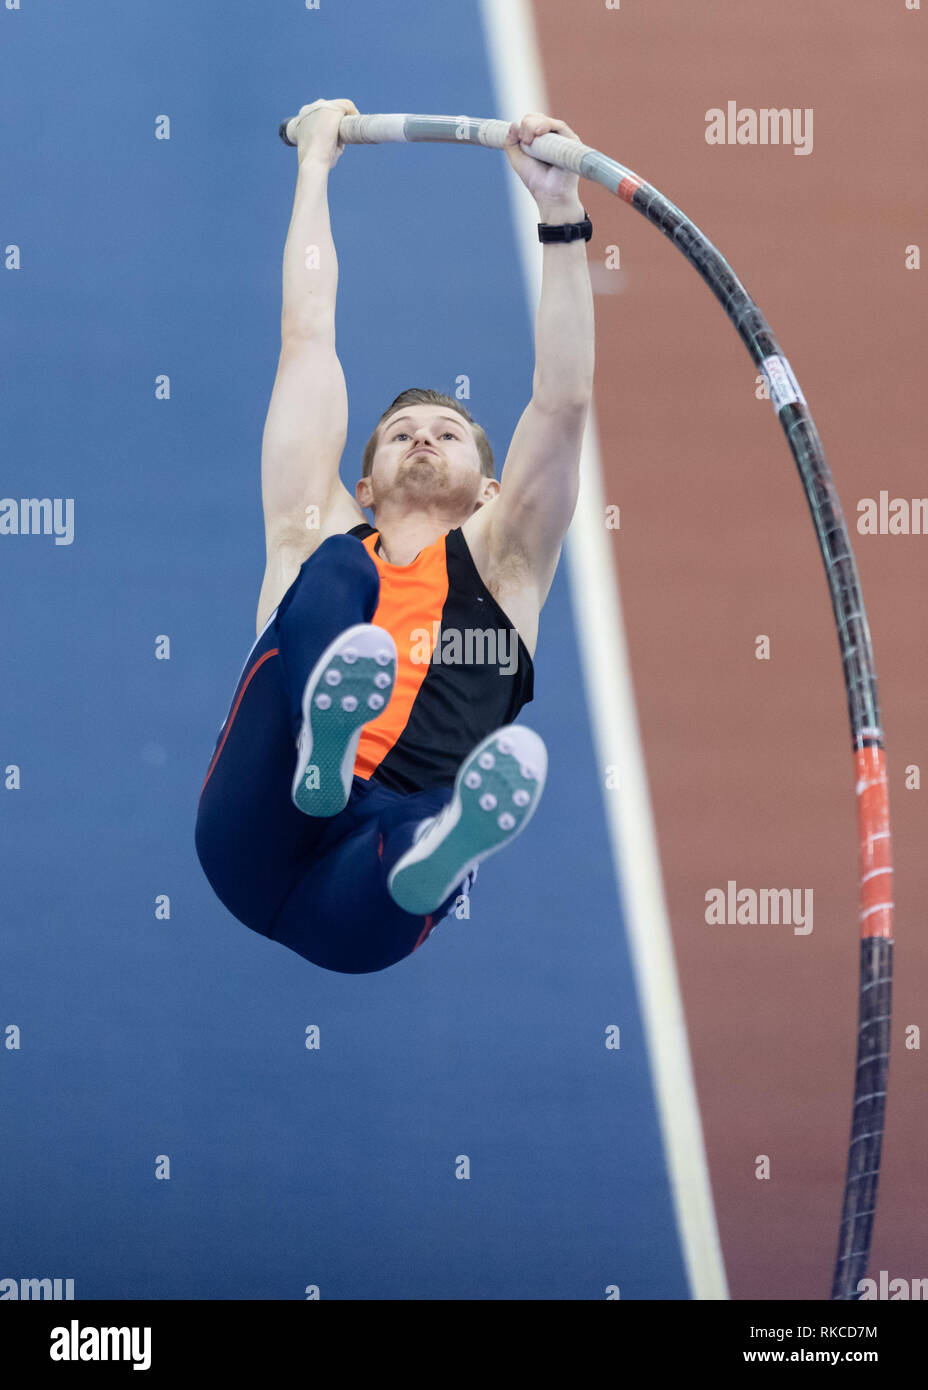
568, 231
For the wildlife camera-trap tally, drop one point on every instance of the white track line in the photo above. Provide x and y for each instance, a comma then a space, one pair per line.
519, 86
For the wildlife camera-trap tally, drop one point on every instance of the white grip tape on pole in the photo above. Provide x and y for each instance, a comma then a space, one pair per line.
390, 127
372, 130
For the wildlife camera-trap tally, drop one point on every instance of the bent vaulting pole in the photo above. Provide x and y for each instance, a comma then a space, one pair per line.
875, 856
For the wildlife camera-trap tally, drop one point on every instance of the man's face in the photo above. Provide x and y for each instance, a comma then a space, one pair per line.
426, 452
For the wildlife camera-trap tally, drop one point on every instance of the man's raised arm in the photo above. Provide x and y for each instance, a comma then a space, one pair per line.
307, 419
541, 474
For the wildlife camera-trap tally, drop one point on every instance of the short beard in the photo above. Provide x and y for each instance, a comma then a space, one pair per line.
416, 486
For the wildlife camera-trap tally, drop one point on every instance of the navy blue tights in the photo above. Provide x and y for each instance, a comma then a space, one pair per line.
315, 884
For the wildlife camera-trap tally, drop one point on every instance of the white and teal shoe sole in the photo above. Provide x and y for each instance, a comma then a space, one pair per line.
350, 684
496, 790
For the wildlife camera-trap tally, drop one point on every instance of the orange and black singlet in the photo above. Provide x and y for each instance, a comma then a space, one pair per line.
462, 668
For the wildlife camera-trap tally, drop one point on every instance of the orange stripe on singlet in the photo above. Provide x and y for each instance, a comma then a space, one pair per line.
412, 598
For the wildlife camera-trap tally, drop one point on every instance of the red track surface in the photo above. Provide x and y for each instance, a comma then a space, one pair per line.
749, 761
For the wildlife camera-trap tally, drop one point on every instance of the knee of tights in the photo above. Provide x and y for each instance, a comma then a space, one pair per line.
343, 564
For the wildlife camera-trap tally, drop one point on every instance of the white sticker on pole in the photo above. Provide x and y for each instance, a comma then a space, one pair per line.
784, 388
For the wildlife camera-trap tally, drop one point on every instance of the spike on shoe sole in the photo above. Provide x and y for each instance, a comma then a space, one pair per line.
350, 684
496, 791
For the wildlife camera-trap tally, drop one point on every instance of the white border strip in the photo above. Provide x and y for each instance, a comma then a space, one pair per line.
517, 77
